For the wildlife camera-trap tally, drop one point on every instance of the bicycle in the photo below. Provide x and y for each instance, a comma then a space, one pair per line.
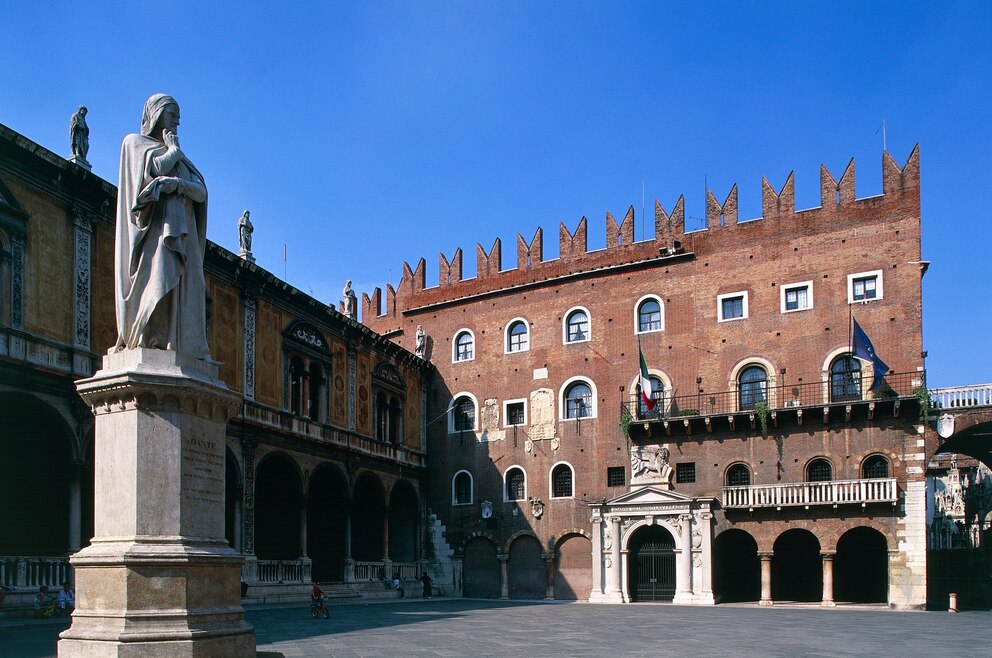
318, 609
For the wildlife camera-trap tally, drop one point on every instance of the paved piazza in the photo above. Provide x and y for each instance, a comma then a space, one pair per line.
461, 627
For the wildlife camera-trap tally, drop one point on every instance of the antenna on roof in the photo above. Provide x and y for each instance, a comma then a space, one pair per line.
882, 128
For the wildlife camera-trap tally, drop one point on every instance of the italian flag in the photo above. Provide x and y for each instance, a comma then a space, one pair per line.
645, 382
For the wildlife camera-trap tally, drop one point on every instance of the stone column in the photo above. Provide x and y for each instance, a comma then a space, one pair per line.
237, 522
766, 578
504, 575
303, 526
385, 535
597, 558
683, 578
614, 576
549, 561
828, 580
75, 507
706, 572
349, 564
158, 578
248, 497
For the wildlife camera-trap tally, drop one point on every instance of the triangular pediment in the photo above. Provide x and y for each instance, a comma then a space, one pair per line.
650, 496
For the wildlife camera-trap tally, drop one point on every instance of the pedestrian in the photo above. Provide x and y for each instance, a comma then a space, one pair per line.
428, 590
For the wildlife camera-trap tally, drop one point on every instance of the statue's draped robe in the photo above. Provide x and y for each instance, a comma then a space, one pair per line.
161, 239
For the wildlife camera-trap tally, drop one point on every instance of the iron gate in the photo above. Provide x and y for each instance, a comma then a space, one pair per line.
655, 577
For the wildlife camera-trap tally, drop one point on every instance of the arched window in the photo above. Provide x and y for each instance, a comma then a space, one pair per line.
578, 400
752, 386
381, 416
657, 395
819, 470
561, 481
738, 475
517, 337
649, 315
577, 326
297, 388
875, 466
395, 435
463, 414
461, 488
516, 484
464, 346
845, 379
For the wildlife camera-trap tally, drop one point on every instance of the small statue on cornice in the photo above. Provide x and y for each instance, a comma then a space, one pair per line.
350, 302
420, 348
245, 229
79, 137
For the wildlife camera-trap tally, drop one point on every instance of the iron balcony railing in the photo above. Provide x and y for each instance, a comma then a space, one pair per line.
806, 494
806, 394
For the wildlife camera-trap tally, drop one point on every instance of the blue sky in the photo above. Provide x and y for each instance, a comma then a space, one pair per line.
363, 134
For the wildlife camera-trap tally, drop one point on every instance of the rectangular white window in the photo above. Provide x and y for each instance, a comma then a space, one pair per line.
864, 286
797, 296
732, 306
515, 412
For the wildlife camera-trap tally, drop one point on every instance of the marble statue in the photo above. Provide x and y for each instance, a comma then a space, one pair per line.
160, 294
79, 135
350, 301
245, 229
421, 346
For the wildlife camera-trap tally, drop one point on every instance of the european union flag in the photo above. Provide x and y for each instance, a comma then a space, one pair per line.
864, 350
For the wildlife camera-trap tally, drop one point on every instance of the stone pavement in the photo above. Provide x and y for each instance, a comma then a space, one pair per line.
467, 627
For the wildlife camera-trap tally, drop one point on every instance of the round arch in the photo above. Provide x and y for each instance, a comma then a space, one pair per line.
797, 568
861, 567
551, 481
637, 313
480, 567
736, 567
525, 346
404, 522
566, 316
526, 570
651, 561
734, 383
666, 383
454, 345
37, 449
278, 494
563, 404
367, 527
573, 567
327, 506
475, 412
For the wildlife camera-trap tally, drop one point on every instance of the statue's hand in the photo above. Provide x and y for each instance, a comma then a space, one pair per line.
169, 184
171, 139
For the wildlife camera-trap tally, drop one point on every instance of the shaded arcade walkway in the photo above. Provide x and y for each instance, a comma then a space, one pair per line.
466, 627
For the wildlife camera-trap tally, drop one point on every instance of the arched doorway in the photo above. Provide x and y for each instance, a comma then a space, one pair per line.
368, 504
527, 571
861, 567
327, 505
736, 567
404, 522
797, 568
480, 570
573, 569
36, 451
651, 564
278, 495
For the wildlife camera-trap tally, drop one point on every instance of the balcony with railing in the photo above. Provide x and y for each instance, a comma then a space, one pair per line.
808, 494
961, 397
826, 394
298, 426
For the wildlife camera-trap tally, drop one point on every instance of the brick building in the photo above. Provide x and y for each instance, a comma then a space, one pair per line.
767, 469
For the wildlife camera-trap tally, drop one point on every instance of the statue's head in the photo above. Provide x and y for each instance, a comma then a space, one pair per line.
83, 110
154, 107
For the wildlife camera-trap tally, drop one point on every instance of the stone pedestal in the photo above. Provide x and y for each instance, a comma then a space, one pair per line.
81, 161
158, 578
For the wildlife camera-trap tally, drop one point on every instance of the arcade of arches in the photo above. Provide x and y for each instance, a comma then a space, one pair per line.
525, 571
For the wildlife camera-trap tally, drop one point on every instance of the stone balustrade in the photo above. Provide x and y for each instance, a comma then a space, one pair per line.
805, 494
380, 570
960, 397
277, 571
31, 571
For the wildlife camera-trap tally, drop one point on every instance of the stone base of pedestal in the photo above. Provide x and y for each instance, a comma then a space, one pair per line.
157, 598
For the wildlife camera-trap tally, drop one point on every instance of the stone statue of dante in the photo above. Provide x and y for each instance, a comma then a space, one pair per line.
245, 229
79, 134
350, 300
161, 239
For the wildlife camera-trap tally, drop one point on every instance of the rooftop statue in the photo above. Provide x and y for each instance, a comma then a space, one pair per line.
161, 238
79, 135
350, 301
245, 229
